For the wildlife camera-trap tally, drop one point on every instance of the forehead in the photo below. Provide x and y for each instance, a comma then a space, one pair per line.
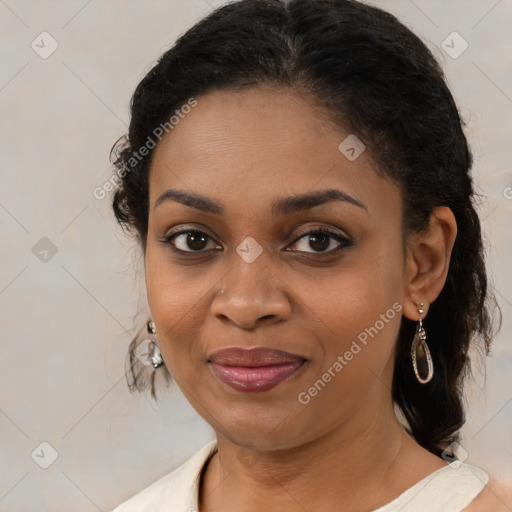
249, 147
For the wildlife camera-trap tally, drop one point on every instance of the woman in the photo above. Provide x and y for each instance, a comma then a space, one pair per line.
298, 180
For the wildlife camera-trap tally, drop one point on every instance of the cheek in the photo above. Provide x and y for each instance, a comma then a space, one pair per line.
360, 321
361, 325
177, 299
360, 305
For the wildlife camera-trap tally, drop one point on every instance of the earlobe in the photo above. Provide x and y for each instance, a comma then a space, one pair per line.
428, 260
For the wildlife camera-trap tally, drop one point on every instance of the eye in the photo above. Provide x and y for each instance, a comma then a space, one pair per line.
195, 241
192, 239
320, 241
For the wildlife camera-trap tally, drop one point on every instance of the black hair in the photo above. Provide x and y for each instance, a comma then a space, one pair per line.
377, 79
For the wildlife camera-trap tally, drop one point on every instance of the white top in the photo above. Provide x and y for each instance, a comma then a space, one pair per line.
449, 489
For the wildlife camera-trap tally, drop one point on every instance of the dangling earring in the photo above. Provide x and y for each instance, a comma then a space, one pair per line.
420, 353
154, 353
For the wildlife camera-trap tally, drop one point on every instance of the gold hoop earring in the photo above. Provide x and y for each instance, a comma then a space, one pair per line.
420, 353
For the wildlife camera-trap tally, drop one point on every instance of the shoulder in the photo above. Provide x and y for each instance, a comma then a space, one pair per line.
178, 490
494, 497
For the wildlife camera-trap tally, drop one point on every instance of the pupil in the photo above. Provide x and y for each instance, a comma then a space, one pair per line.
195, 238
314, 240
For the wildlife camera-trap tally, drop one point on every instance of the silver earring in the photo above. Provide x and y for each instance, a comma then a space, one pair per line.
154, 353
420, 353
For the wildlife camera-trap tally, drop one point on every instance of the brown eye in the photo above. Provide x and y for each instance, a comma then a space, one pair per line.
320, 240
188, 240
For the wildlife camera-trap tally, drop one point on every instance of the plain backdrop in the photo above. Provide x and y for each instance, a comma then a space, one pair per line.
71, 286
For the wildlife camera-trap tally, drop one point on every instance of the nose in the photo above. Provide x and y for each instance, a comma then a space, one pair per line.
251, 294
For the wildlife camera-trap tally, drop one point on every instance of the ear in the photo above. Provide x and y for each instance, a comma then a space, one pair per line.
427, 261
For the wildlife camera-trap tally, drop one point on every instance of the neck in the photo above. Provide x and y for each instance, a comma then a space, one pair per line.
356, 464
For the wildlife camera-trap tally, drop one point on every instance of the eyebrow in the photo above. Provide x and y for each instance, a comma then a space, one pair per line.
283, 206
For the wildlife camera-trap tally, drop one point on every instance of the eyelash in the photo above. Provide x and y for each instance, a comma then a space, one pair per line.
344, 241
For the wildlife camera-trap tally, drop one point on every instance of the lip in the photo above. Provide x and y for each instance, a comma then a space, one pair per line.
256, 369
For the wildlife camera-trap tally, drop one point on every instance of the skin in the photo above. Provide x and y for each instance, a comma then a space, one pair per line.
246, 150
495, 497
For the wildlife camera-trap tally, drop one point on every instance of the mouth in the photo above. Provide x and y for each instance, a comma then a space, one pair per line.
254, 370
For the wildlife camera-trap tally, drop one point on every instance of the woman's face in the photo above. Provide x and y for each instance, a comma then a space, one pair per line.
254, 278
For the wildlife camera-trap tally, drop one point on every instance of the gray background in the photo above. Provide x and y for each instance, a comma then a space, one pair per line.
66, 318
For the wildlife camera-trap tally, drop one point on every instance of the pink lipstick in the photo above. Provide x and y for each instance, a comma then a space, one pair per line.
256, 369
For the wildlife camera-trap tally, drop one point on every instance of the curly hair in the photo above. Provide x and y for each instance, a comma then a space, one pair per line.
371, 74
